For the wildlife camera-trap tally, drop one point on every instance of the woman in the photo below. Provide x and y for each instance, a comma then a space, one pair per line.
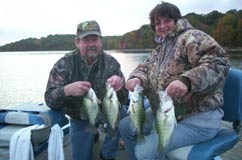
191, 67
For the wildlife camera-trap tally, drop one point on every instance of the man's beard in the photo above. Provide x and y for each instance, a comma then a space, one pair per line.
93, 52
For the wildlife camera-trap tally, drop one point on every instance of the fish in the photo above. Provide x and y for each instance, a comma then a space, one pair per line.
91, 110
137, 111
110, 108
165, 120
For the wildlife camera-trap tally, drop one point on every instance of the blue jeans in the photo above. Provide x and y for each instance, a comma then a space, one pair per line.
82, 142
183, 135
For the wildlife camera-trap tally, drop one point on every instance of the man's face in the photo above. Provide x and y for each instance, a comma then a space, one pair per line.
89, 46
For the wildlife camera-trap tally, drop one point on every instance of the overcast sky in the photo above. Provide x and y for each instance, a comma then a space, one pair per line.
21, 19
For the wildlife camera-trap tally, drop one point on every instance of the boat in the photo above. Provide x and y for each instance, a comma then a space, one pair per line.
14, 119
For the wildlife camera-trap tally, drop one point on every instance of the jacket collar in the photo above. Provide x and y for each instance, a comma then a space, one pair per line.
181, 26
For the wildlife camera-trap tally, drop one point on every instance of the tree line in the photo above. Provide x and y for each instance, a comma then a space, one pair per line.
225, 28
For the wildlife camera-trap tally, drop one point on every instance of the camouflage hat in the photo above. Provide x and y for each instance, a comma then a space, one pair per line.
88, 28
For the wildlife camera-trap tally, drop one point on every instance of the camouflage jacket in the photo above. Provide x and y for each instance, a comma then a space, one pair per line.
192, 55
72, 68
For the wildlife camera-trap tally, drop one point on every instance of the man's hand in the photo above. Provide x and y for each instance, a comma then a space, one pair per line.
77, 88
116, 82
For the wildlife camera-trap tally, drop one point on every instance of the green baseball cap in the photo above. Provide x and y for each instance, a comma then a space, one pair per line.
88, 28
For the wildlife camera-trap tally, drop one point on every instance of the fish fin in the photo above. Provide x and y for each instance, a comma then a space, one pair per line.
175, 122
119, 105
104, 117
99, 115
154, 126
128, 110
91, 129
82, 114
117, 121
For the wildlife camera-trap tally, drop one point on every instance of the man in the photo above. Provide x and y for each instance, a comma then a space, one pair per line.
88, 66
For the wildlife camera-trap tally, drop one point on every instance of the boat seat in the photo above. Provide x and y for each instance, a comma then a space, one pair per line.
14, 118
227, 137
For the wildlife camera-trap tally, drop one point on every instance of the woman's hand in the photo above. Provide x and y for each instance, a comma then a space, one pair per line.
176, 89
131, 83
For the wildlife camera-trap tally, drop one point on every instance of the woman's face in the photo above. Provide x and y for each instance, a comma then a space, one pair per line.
163, 26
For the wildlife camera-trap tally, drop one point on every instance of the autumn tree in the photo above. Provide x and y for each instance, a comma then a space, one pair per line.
238, 38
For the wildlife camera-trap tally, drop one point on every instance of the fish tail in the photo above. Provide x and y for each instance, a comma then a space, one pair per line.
91, 129
160, 150
140, 138
111, 132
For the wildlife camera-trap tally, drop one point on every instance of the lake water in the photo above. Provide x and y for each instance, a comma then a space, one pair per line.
23, 75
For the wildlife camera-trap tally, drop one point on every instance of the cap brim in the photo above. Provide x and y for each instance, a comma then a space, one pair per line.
89, 33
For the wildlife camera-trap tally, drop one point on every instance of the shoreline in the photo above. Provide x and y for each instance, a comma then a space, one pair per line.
133, 50
145, 50
148, 50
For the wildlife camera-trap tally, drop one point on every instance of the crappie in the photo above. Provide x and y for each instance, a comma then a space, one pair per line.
137, 111
110, 107
165, 120
91, 109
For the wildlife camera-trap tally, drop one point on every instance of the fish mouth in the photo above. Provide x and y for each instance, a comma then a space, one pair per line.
166, 111
110, 96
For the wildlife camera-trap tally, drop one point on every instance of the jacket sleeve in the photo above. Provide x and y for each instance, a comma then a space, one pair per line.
141, 71
54, 94
209, 63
